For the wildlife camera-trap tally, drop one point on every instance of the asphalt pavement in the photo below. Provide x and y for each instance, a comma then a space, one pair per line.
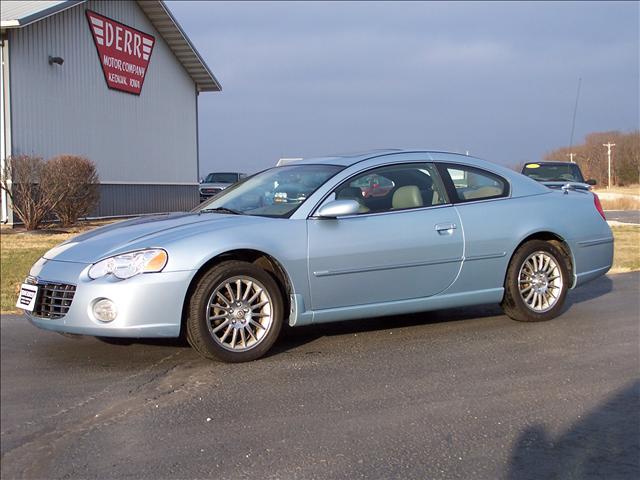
463, 393
623, 216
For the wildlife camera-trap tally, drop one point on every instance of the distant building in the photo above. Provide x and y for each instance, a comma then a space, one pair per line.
286, 161
115, 81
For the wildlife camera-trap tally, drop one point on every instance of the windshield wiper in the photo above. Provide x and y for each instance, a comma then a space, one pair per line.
222, 210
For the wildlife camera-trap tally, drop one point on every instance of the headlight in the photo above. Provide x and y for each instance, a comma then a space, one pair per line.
130, 264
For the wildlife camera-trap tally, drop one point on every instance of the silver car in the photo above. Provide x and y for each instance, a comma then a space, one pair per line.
215, 182
307, 243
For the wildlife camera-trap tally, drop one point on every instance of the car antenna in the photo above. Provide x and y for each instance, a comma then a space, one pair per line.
573, 121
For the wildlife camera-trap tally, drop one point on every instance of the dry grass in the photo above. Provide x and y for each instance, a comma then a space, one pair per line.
623, 203
620, 198
18, 253
626, 255
20, 249
627, 190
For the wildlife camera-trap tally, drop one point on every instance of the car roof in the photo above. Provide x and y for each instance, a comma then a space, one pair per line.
521, 184
349, 159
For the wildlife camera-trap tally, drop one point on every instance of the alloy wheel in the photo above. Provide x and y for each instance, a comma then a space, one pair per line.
239, 313
540, 281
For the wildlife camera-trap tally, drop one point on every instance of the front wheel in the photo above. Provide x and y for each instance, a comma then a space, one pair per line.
235, 313
536, 283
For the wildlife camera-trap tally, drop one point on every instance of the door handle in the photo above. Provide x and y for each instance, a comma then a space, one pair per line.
445, 228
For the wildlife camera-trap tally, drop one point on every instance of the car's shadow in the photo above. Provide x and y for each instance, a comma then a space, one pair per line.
298, 336
604, 443
295, 337
291, 337
592, 290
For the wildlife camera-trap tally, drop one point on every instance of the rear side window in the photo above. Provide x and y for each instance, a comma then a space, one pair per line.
472, 184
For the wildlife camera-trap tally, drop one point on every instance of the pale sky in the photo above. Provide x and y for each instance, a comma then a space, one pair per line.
496, 79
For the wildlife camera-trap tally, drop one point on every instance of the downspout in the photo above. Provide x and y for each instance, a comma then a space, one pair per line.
5, 114
197, 139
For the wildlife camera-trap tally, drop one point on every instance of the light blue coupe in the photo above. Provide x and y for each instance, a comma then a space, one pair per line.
321, 240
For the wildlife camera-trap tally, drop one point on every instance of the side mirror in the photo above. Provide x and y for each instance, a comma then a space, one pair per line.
338, 208
591, 182
201, 180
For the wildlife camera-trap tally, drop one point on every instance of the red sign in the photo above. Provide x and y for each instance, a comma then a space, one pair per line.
124, 52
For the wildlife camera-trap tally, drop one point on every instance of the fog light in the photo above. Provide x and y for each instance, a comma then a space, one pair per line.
105, 310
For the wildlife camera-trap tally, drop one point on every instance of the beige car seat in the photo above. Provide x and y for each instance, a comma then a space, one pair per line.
407, 197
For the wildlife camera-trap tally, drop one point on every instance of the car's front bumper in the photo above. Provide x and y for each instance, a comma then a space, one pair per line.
149, 305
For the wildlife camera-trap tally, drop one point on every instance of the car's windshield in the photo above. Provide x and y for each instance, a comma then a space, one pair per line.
548, 172
276, 192
221, 178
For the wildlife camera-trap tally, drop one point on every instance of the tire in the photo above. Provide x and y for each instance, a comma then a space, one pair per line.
235, 313
535, 289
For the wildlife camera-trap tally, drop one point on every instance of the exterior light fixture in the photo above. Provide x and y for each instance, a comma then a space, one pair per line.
57, 60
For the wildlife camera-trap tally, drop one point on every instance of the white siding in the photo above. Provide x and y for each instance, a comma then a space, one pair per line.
55, 109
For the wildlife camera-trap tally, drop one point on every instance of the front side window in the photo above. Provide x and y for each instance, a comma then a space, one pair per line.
475, 184
276, 192
394, 187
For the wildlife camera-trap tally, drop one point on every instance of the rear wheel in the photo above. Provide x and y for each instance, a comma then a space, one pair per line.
235, 313
537, 282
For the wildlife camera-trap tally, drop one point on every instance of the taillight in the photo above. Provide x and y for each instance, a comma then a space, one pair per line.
596, 202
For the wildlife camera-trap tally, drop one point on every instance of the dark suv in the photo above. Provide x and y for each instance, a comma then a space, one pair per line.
215, 182
557, 174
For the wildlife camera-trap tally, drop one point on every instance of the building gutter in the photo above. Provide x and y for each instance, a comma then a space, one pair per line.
5, 114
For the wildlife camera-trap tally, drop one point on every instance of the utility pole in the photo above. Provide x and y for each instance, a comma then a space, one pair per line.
571, 155
609, 145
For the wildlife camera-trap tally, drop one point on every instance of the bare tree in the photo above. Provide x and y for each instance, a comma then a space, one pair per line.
592, 156
77, 179
26, 181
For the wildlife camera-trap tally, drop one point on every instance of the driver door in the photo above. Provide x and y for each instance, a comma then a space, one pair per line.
402, 245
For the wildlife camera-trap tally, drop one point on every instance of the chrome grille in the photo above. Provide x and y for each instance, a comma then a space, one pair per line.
54, 300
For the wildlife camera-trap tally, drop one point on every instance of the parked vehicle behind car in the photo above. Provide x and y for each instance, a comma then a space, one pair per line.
557, 174
214, 183
451, 231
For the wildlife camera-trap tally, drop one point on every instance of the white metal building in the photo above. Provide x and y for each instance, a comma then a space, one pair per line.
115, 81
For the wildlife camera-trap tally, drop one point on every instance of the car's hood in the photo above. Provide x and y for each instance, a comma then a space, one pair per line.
142, 232
577, 185
214, 185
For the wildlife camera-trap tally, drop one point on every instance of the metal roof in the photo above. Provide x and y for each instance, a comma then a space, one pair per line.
17, 14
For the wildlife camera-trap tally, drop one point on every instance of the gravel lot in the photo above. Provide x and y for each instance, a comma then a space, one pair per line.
623, 216
450, 394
